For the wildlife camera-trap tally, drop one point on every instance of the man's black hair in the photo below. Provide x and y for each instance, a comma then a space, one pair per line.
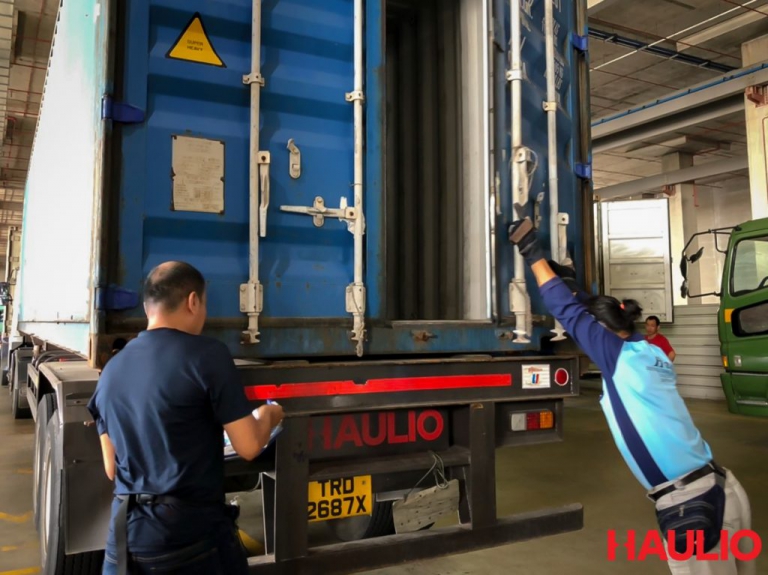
654, 318
168, 285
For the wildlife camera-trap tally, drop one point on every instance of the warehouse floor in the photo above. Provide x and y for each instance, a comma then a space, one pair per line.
585, 468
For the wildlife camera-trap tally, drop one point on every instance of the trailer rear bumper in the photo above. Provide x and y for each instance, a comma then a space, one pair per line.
398, 549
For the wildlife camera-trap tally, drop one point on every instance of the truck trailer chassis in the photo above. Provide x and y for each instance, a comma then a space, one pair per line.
458, 409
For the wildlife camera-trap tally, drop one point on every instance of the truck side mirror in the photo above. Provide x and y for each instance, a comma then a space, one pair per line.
697, 256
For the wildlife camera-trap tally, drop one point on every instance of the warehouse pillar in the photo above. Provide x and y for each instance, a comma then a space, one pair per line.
683, 223
756, 112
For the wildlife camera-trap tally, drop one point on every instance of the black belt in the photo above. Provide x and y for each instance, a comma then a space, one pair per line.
710, 467
121, 519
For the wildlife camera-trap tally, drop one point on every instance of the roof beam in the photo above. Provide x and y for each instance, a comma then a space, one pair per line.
660, 51
664, 126
724, 27
671, 178
716, 98
594, 6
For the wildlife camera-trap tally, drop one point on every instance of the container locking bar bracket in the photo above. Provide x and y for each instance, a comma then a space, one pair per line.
520, 300
294, 165
251, 303
562, 257
249, 79
355, 299
355, 96
251, 298
265, 159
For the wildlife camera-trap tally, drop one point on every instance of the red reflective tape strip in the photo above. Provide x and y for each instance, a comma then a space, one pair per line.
326, 388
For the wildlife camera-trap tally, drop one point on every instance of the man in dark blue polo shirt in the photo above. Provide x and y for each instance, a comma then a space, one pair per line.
161, 406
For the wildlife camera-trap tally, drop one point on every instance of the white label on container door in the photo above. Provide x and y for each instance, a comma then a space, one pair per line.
536, 376
198, 175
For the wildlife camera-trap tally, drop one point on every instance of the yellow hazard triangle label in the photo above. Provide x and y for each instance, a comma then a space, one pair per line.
193, 45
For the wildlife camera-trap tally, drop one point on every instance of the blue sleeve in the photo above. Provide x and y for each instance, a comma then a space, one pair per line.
599, 343
222, 380
93, 408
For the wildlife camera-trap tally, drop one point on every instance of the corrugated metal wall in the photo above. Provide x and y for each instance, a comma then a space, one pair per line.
698, 363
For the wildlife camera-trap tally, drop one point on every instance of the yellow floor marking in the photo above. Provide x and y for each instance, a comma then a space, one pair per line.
253, 547
27, 571
25, 471
15, 519
7, 548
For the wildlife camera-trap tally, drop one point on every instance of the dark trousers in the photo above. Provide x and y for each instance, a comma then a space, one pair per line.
221, 554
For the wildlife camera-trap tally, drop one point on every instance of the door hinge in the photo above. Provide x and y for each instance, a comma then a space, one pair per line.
116, 298
584, 171
581, 43
120, 112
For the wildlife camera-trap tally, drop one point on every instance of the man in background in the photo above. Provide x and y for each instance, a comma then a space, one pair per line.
653, 336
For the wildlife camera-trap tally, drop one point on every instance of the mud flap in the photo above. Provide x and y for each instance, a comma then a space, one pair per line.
425, 507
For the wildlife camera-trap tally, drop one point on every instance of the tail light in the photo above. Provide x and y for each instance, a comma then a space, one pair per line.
532, 420
562, 377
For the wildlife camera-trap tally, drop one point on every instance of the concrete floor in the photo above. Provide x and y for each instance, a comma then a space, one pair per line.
585, 468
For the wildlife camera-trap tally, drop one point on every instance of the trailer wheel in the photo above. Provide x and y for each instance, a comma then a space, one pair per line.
16, 409
53, 559
44, 412
378, 524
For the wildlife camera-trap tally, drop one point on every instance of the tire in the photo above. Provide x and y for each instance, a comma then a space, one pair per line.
53, 559
18, 411
44, 412
378, 524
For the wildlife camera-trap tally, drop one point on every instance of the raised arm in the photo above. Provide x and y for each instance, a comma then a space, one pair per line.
600, 344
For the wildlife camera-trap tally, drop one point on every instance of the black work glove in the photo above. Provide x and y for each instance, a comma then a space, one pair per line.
523, 235
567, 274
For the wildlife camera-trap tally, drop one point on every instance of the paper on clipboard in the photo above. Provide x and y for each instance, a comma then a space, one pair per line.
229, 451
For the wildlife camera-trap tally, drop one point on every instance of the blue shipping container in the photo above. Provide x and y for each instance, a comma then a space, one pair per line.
143, 151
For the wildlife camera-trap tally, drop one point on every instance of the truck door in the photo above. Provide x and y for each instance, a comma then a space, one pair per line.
744, 320
635, 249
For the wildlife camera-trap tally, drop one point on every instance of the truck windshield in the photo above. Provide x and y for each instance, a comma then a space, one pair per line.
750, 266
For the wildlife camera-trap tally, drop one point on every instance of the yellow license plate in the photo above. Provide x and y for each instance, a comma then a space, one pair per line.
339, 498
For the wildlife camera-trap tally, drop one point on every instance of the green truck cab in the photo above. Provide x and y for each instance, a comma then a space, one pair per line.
743, 314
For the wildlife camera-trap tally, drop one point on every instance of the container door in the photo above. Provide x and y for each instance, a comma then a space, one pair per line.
307, 125
63, 189
525, 142
636, 254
